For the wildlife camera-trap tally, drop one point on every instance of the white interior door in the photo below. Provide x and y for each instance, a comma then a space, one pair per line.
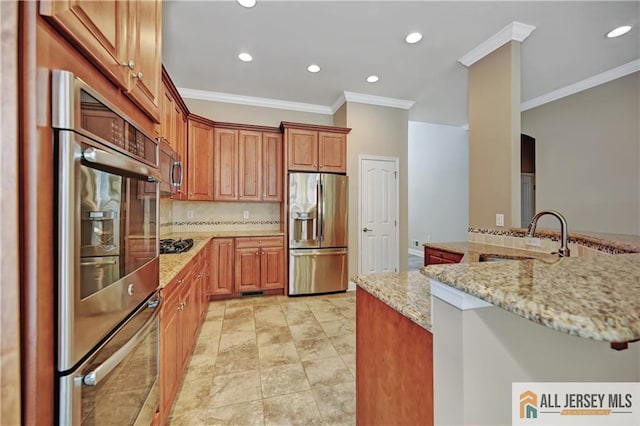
378, 214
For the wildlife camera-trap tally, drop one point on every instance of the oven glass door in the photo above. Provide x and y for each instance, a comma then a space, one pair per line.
118, 385
118, 227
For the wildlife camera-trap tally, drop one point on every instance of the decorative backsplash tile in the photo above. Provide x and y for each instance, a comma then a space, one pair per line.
202, 216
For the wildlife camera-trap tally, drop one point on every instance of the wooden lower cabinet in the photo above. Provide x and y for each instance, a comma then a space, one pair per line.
259, 263
182, 313
221, 261
394, 366
436, 257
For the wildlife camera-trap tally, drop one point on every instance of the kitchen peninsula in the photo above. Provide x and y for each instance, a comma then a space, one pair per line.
494, 323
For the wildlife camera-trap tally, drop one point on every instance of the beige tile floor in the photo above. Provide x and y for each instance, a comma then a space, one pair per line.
272, 360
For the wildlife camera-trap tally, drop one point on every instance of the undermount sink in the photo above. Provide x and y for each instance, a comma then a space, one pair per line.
497, 257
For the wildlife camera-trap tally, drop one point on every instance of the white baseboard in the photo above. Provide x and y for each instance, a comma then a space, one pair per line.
416, 252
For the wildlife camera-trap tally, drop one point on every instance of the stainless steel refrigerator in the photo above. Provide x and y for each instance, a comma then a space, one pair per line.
318, 204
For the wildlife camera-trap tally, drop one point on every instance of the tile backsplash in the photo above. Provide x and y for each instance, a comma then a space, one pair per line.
204, 216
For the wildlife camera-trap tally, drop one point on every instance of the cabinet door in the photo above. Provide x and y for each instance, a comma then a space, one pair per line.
249, 165
302, 149
272, 167
200, 154
145, 49
332, 152
272, 267
221, 266
98, 28
226, 165
247, 274
170, 351
181, 149
167, 120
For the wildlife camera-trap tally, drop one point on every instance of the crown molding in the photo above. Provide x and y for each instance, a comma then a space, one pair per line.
361, 98
338, 102
587, 83
229, 98
514, 31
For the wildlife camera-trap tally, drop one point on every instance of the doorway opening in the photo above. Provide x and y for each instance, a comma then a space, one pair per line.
527, 179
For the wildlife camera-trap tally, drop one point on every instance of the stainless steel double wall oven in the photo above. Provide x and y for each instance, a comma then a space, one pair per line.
108, 265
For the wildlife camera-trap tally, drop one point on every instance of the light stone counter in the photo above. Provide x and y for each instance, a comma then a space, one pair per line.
473, 251
172, 264
406, 292
596, 297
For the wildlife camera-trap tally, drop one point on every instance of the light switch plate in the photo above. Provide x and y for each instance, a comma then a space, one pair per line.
499, 219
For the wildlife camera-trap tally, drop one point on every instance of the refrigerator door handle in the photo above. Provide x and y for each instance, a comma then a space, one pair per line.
320, 204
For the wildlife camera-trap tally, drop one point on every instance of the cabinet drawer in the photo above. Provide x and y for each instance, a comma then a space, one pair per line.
248, 242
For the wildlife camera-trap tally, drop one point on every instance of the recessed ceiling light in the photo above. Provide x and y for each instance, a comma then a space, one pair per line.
413, 38
617, 32
245, 57
372, 79
247, 3
313, 68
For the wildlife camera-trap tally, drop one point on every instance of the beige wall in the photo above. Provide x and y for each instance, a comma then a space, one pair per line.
340, 116
246, 114
378, 131
588, 157
494, 138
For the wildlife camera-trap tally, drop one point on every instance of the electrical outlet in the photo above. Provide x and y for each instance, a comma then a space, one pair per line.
245, 214
189, 214
416, 243
428, 238
532, 241
499, 219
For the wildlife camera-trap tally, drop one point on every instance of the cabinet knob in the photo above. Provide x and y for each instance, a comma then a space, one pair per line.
129, 64
138, 76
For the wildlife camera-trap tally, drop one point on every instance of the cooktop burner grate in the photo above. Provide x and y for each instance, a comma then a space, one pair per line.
171, 246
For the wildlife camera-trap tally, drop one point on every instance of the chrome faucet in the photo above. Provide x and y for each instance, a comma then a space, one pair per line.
563, 251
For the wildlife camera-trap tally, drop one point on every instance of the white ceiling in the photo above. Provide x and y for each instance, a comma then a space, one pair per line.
353, 39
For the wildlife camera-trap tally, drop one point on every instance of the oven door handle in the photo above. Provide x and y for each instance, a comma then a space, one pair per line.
120, 163
103, 370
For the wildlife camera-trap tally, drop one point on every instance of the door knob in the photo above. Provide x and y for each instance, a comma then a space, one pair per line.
367, 230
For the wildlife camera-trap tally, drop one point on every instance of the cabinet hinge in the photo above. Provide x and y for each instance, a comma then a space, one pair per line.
395, 174
395, 223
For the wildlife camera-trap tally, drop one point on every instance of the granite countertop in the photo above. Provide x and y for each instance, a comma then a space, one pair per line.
595, 297
408, 293
473, 251
172, 264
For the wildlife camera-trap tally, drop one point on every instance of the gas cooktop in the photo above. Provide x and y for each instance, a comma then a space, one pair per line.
170, 246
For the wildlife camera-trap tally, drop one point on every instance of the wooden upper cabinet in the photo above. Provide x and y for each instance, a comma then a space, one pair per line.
145, 50
226, 165
315, 148
98, 27
249, 164
200, 167
181, 149
272, 173
167, 121
332, 152
122, 38
302, 150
